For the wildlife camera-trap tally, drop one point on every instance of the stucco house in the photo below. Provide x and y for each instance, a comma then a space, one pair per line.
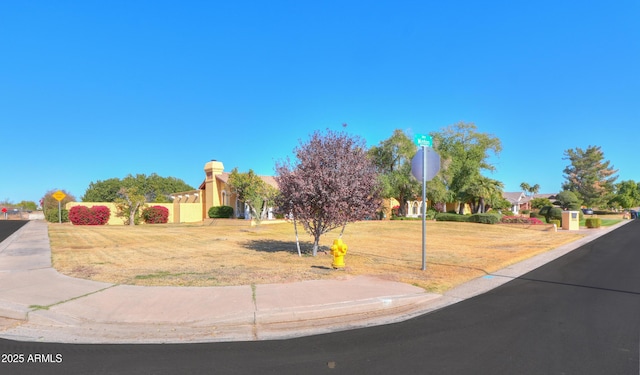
215, 191
518, 200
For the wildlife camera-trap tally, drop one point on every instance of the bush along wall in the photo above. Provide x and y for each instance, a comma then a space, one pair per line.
484, 218
220, 212
593, 222
451, 217
96, 215
155, 215
51, 215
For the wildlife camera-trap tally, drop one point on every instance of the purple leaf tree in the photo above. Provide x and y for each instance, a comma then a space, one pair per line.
331, 183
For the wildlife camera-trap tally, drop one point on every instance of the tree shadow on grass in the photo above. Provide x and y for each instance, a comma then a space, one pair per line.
272, 246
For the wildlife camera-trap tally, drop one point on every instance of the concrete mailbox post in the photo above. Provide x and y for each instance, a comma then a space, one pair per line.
570, 220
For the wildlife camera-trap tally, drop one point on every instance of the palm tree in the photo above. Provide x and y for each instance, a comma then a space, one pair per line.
482, 188
534, 189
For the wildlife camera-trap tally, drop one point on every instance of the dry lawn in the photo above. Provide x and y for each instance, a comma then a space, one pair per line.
229, 252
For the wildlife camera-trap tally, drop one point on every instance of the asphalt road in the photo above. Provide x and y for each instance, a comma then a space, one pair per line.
579, 314
7, 227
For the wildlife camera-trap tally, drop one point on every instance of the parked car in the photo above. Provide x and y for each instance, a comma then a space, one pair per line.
587, 211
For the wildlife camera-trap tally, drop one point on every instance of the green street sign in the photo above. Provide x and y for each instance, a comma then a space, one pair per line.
423, 140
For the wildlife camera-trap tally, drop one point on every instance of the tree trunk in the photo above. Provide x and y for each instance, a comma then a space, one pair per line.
132, 214
295, 227
263, 215
315, 246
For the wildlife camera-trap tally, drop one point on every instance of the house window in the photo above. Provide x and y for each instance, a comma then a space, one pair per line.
225, 199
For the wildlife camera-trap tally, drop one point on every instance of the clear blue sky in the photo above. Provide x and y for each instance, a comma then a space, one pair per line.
94, 90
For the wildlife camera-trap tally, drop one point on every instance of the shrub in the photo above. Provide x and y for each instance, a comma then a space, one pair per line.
155, 215
535, 215
83, 215
484, 218
520, 220
551, 213
51, 215
556, 222
593, 222
525, 212
451, 217
218, 212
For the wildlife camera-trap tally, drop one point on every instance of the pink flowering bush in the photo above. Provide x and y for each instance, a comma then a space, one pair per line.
96, 215
520, 220
155, 215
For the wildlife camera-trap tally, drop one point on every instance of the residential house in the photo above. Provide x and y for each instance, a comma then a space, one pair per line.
215, 191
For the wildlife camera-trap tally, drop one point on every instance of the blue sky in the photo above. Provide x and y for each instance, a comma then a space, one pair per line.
93, 90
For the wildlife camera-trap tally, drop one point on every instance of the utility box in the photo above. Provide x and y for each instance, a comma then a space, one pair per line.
570, 220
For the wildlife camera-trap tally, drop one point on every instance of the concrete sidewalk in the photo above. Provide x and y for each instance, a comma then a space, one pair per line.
47, 306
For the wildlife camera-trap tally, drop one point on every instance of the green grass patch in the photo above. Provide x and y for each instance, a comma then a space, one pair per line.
38, 307
603, 222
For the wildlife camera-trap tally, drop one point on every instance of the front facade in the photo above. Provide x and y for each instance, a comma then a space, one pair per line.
215, 191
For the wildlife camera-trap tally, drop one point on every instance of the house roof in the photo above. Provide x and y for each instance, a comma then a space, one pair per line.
224, 177
514, 197
520, 197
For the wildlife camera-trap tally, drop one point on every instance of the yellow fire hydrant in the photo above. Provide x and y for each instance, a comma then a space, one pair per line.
338, 250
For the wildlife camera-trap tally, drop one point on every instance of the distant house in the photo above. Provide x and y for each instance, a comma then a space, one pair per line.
520, 201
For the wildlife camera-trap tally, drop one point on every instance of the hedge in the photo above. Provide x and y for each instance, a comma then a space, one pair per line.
484, 218
83, 215
593, 222
451, 217
51, 215
155, 215
217, 212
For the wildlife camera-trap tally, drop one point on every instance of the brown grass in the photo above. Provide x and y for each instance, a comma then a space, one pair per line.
229, 254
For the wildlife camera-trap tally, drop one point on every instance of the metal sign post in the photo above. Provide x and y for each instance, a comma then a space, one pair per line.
424, 172
424, 207
59, 196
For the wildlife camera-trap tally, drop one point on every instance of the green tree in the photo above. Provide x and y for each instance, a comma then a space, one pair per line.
482, 189
627, 194
589, 175
538, 203
530, 190
103, 191
128, 203
392, 160
568, 200
253, 191
465, 153
154, 188
27, 205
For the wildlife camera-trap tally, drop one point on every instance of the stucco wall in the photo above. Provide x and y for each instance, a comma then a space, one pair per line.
189, 212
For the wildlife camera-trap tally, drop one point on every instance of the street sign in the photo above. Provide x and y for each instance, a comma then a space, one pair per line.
4, 209
58, 195
423, 140
433, 164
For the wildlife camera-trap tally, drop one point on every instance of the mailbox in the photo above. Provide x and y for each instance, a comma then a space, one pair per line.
570, 220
